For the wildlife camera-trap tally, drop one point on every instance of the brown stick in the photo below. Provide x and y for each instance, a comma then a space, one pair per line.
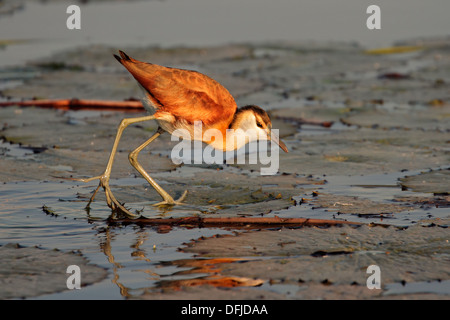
75, 104
235, 222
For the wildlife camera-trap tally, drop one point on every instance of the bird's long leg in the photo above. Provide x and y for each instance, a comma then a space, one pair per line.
168, 200
104, 178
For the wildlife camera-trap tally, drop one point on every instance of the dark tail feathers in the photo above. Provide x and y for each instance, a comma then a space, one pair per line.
123, 56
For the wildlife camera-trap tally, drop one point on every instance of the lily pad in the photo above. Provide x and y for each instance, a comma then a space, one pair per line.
356, 205
435, 181
310, 257
31, 271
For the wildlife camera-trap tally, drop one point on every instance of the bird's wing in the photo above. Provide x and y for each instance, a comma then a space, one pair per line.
186, 94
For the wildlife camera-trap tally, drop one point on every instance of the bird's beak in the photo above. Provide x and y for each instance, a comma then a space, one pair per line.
272, 136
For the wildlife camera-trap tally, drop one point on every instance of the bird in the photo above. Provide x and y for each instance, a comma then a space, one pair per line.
176, 99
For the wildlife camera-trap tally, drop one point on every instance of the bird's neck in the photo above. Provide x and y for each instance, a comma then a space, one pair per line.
232, 139
227, 138
236, 136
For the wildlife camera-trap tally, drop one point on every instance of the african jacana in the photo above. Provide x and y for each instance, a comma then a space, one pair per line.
178, 98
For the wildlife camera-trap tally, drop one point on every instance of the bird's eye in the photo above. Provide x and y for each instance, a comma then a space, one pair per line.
259, 125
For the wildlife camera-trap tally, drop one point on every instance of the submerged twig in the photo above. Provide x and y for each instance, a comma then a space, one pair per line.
235, 222
74, 104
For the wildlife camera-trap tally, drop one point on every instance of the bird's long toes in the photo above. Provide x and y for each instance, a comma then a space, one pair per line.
181, 199
164, 203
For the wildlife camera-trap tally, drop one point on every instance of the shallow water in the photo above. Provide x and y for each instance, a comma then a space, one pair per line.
382, 188
133, 255
140, 259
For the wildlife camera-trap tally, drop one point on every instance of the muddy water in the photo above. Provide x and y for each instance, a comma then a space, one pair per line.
382, 159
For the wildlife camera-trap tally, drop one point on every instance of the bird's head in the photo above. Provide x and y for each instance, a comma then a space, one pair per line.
256, 123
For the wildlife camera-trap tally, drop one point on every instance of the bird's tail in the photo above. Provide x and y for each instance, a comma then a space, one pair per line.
123, 57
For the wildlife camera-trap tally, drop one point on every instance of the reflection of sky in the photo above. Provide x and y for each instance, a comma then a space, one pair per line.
206, 22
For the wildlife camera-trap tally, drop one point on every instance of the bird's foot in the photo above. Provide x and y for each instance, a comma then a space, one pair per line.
111, 200
171, 202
